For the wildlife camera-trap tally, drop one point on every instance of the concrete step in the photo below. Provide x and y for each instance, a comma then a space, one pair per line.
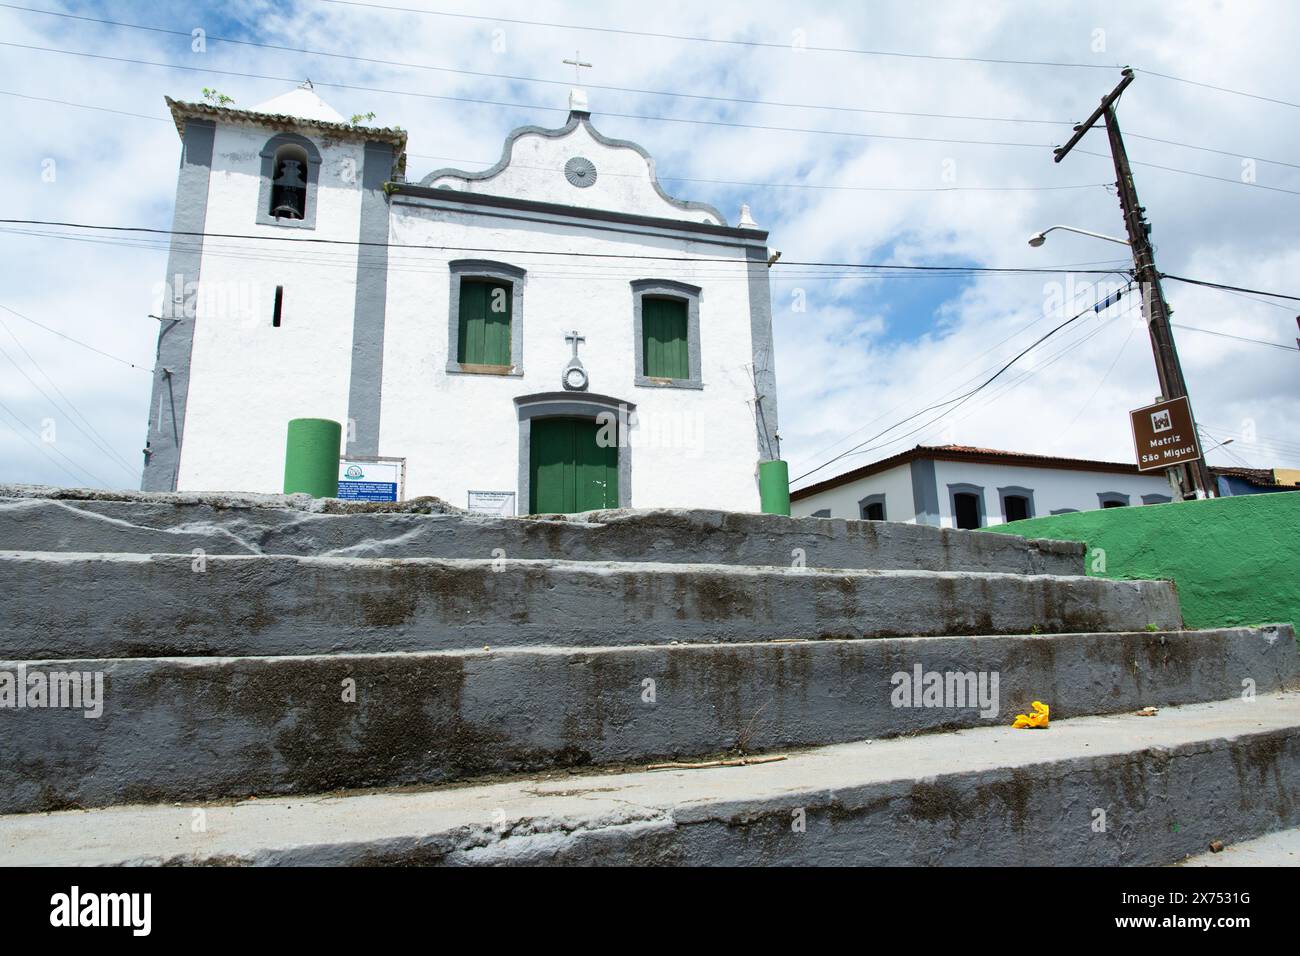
205, 728
1087, 791
70, 605
46, 519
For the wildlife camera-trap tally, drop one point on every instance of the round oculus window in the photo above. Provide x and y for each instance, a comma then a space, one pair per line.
580, 171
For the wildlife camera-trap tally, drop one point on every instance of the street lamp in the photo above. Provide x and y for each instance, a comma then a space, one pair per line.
1038, 239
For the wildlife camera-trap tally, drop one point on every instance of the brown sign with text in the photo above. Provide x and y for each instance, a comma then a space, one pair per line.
1164, 435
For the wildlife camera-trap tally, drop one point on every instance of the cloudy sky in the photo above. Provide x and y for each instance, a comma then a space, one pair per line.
807, 119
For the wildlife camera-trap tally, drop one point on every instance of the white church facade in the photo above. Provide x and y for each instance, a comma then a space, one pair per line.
555, 333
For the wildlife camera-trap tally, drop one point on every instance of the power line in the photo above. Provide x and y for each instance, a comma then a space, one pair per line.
1228, 288
960, 400
1220, 89
95, 442
39, 447
1274, 443
93, 435
379, 61
396, 262
530, 106
1004, 61
662, 178
1239, 338
946, 375
1190, 172
1238, 154
718, 40
42, 446
635, 116
1050, 359
85, 106
947, 270
84, 345
1118, 355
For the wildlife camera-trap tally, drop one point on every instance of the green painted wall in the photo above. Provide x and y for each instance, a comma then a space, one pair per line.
1235, 560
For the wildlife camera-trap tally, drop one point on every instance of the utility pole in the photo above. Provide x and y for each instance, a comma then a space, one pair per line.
1194, 477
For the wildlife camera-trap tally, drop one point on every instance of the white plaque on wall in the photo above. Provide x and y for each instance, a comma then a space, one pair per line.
492, 502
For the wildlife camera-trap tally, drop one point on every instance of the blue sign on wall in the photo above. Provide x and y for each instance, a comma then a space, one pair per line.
368, 490
370, 479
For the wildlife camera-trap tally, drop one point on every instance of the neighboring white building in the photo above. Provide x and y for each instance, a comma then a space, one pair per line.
954, 486
437, 319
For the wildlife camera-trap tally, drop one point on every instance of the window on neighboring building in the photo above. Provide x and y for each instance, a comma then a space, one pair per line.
1156, 499
664, 346
483, 336
967, 505
872, 508
1017, 508
289, 183
823, 513
1112, 499
1017, 503
966, 510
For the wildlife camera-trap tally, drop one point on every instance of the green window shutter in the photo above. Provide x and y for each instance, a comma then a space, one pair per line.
663, 338
484, 334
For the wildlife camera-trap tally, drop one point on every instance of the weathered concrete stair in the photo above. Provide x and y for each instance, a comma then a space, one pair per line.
1088, 791
198, 729
44, 519
64, 605
269, 646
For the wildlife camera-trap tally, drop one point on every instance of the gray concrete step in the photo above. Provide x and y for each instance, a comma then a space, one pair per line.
205, 728
71, 605
1087, 791
46, 519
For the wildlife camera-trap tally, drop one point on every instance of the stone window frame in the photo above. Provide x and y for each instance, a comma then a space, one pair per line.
668, 289
1157, 499
1016, 491
1103, 497
872, 500
821, 513
587, 405
965, 488
460, 269
271, 147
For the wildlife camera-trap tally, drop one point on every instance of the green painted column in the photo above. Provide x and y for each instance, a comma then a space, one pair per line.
774, 487
311, 457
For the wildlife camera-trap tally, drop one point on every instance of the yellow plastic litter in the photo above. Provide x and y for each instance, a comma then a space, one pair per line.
1037, 719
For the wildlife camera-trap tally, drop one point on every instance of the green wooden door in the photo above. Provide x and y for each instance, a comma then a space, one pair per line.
568, 470
663, 338
484, 337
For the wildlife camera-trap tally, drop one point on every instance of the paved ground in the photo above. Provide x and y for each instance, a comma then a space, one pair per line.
516, 819
1276, 849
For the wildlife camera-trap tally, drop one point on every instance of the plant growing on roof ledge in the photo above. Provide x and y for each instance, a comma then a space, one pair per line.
216, 97
359, 118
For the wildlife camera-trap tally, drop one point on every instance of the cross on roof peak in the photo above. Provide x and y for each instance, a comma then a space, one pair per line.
577, 65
